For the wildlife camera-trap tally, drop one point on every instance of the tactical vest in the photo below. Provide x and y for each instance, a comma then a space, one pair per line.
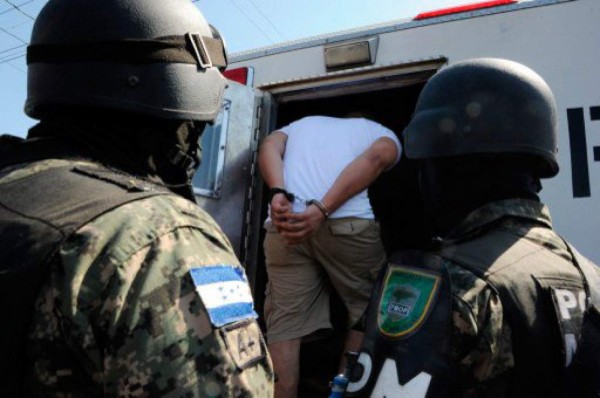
544, 300
37, 214
405, 351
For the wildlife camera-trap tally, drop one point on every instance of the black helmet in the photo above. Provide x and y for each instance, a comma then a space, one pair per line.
485, 106
154, 57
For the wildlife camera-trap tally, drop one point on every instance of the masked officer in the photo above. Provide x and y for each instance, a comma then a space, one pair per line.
495, 308
112, 281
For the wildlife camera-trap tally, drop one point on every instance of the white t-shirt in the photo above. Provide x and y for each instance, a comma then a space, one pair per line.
318, 149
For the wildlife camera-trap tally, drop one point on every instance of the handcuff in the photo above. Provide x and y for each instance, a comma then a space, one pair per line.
291, 197
275, 190
319, 205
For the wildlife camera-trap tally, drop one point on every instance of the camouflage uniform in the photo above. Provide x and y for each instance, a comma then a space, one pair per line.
496, 308
482, 340
120, 315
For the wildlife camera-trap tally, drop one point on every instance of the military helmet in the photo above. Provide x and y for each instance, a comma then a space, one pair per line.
153, 57
485, 106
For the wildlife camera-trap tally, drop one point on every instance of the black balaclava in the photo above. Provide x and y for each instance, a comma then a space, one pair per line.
453, 187
163, 151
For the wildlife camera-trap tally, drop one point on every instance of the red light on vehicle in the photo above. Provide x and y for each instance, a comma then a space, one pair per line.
463, 8
239, 75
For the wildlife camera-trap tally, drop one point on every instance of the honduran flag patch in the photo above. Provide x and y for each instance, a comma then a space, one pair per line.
225, 293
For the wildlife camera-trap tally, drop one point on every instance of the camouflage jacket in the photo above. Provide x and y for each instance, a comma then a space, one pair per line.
130, 309
482, 339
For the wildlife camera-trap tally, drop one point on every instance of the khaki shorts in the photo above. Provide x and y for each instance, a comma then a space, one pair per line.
345, 253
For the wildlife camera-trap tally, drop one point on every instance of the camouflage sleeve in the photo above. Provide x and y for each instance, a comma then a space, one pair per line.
481, 338
135, 317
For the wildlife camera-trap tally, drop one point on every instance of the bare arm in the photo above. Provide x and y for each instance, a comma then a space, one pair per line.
270, 162
354, 178
270, 159
361, 172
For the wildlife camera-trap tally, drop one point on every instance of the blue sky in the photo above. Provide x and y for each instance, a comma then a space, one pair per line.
245, 24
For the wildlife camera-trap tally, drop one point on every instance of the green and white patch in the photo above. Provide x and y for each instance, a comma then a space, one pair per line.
407, 297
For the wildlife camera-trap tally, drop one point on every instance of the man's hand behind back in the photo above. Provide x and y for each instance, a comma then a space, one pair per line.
280, 210
299, 226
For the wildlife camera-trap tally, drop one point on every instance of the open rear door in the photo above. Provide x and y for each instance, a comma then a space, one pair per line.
226, 180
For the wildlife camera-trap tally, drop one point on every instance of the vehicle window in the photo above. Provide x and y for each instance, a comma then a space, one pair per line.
209, 177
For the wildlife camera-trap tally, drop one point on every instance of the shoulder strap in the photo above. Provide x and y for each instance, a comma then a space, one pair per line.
491, 253
69, 196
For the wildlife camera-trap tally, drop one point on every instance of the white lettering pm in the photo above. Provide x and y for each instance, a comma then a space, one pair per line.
387, 385
567, 302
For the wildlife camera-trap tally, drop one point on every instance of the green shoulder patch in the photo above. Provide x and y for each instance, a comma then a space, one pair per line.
407, 297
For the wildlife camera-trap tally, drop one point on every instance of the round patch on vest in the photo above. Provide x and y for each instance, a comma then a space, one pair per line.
407, 297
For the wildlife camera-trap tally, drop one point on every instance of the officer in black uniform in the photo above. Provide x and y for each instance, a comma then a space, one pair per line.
107, 265
496, 307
